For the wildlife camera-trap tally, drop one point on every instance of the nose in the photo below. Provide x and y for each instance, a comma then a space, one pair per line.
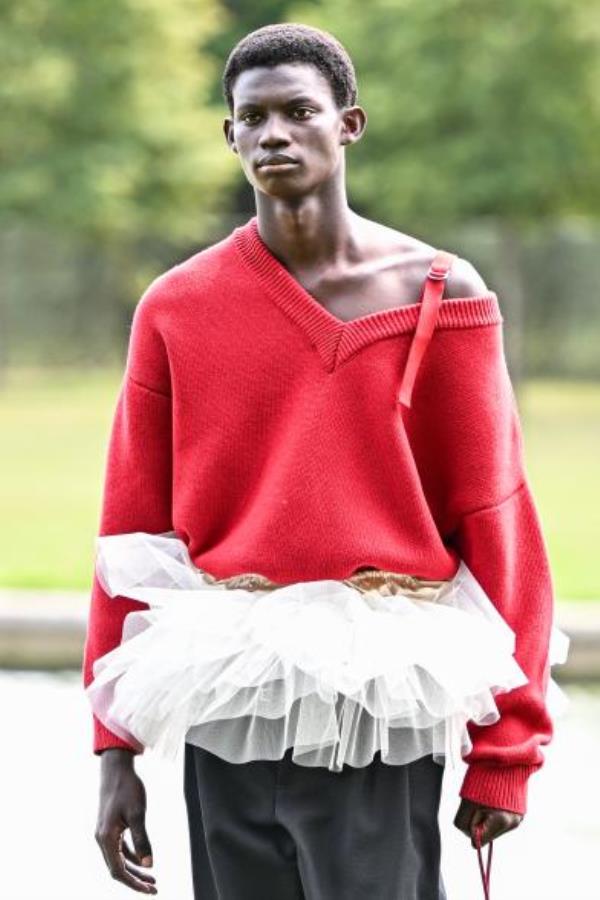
273, 133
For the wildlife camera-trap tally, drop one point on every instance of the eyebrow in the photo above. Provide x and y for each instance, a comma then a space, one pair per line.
301, 98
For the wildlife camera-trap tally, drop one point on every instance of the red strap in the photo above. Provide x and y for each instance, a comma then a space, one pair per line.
485, 874
433, 292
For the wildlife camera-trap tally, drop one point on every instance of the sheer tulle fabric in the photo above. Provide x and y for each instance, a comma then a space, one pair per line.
319, 666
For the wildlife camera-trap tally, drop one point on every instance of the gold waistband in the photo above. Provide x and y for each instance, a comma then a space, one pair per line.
381, 580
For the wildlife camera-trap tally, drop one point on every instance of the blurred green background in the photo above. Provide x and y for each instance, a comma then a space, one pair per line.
482, 138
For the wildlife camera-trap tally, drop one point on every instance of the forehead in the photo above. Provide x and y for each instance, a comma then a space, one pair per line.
277, 84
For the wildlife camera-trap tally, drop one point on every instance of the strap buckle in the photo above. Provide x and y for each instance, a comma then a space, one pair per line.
438, 273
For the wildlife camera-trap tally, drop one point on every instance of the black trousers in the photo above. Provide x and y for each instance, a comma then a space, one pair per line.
275, 830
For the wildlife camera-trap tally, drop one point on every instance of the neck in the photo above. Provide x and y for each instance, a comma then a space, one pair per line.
310, 231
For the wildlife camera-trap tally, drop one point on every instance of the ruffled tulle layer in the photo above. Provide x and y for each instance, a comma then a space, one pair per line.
319, 666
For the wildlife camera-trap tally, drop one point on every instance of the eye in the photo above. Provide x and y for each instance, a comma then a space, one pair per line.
302, 109
244, 116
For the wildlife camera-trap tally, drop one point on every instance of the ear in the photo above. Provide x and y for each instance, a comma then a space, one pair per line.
354, 123
228, 132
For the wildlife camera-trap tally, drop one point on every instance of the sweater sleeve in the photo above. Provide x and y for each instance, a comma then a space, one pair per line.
499, 535
137, 483
504, 548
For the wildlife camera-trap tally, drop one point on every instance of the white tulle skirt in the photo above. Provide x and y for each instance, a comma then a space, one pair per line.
320, 666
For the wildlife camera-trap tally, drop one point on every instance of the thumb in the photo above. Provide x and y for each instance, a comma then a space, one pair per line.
478, 824
141, 844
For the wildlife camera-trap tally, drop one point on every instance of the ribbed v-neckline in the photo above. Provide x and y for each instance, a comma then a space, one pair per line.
337, 340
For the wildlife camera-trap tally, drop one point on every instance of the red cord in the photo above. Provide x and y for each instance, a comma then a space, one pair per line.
485, 874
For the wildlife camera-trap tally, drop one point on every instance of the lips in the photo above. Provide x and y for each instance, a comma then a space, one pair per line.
276, 161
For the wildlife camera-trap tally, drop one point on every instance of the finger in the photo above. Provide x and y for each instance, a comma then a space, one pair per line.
148, 877
109, 845
500, 823
463, 819
141, 843
460, 821
494, 824
478, 828
128, 853
464, 829
118, 870
131, 857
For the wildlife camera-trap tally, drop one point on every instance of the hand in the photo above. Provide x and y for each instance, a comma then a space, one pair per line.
495, 821
123, 805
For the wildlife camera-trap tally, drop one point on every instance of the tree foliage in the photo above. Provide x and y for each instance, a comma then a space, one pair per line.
107, 130
475, 109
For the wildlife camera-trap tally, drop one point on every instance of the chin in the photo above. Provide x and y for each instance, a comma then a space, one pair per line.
280, 188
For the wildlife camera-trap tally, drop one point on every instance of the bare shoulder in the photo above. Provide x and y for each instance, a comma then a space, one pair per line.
415, 256
464, 280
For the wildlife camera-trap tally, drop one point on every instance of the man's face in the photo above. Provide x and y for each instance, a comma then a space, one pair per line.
289, 110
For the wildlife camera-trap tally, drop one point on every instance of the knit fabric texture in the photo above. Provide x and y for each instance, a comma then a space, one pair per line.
267, 433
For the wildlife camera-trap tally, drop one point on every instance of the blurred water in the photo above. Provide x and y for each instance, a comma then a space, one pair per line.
49, 789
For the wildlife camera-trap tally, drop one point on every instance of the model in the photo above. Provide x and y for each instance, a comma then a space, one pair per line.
320, 572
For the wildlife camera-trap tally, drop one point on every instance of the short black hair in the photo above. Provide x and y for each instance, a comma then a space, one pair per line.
292, 42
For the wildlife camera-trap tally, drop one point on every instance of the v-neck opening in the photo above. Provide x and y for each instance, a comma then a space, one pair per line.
335, 339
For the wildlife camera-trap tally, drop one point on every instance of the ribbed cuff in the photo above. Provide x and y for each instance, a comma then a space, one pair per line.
503, 787
103, 739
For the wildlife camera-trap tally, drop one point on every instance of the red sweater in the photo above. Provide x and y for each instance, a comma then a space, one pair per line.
268, 434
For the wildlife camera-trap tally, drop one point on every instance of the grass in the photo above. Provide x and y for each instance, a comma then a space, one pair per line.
55, 432
561, 427
54, 439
